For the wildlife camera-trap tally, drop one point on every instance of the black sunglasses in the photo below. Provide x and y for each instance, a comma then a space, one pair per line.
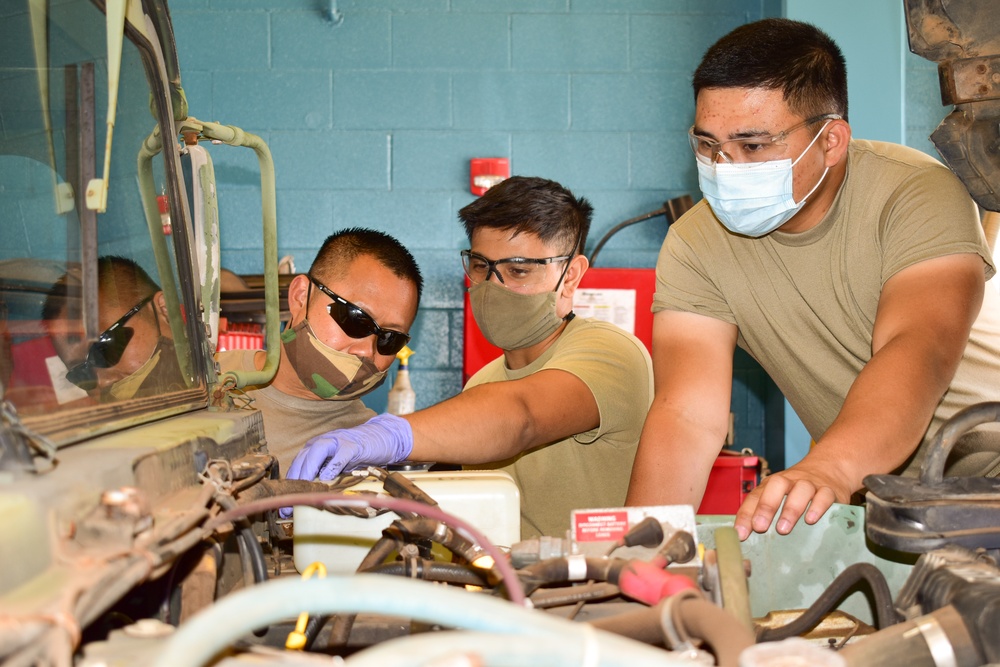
356, 323
106, 351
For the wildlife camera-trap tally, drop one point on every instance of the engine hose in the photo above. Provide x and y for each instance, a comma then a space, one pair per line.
408, 530
428, 570
932, 470
885, 614
570, 568
215, 628
395, 535
679, 619
642, 625
936, 639
251, 553
692, 614
250, 550
544, 598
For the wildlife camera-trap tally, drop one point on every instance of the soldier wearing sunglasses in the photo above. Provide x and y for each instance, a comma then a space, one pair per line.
133, 355
561, 410
349, 316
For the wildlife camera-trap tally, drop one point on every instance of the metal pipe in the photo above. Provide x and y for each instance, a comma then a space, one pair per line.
234, 136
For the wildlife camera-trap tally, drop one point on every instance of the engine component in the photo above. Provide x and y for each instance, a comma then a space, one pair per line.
962, 38
917, 515
485, 498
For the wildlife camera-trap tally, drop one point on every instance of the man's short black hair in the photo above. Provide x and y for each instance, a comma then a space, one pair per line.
343, 247
119, 279
527, 204
799, 59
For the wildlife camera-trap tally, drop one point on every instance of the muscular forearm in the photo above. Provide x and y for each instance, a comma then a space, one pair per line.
498, 420
888, 409
456, 431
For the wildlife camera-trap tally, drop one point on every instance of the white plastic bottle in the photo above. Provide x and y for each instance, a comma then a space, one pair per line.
402, 398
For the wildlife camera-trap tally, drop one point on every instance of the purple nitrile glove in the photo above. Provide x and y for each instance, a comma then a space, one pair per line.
381, 440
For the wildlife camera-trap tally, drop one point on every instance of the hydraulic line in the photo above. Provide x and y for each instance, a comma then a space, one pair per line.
885, 614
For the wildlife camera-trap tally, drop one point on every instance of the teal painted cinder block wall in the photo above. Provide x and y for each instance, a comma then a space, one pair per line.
372, 119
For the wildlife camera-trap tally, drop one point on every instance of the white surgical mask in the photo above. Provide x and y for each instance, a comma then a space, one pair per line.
753, 198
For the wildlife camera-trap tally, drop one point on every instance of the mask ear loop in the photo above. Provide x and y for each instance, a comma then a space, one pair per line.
573, 253
802, 154
308, 296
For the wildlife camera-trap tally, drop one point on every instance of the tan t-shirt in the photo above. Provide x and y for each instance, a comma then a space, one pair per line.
290, 421
590, 469
805, 303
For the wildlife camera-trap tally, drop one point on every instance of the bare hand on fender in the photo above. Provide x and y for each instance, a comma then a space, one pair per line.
805, 489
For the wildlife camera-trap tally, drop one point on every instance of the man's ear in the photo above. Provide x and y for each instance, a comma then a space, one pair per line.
298, 295
838, 137
574, 273
160, 308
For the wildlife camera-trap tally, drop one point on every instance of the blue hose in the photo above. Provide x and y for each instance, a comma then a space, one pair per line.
216, 628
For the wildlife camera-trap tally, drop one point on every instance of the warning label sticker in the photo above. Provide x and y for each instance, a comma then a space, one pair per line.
599, 526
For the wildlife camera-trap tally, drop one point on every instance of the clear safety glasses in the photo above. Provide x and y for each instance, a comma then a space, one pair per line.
758, 148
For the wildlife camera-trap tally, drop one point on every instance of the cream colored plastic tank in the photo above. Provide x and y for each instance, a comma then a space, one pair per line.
487, 499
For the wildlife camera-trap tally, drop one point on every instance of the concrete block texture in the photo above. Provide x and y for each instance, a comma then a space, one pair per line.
372, 112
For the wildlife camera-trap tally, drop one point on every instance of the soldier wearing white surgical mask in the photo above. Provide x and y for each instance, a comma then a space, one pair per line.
561, 410
853, 271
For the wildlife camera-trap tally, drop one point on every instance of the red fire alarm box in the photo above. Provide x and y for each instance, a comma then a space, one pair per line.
485, 172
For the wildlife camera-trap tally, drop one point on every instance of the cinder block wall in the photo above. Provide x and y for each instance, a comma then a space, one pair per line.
373, 108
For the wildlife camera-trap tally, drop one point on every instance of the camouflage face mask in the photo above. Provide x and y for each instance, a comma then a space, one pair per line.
326, 372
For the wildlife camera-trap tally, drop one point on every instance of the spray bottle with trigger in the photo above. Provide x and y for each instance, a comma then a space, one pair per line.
402, 398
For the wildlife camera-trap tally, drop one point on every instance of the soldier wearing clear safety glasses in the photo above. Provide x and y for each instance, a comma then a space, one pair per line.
853, 271
562, 409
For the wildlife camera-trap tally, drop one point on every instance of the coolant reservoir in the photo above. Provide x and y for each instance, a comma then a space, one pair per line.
489, 500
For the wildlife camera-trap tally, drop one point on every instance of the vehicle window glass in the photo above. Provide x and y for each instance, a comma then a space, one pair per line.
69, 275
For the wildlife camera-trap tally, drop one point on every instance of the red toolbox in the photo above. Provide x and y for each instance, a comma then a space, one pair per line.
733, 476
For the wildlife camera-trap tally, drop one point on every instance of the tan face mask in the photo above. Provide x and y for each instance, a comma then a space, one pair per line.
511, 320
129, 386
330, 374
159, 375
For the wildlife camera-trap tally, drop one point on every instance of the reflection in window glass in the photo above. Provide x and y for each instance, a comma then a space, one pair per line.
49, 117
